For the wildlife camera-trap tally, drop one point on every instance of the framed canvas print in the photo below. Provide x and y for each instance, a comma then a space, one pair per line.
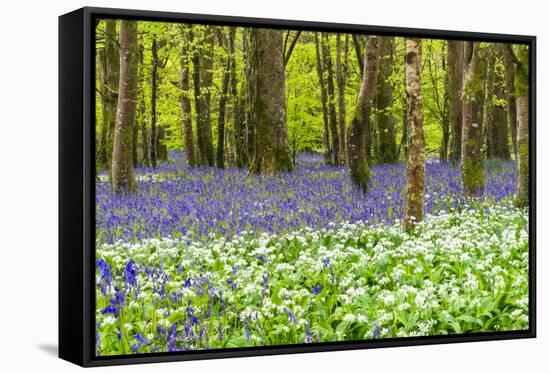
236, 186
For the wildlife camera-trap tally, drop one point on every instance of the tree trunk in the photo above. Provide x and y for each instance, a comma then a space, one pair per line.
221, 113
145, 136
186, 109
455, 71
135, 134
320, 74
358, 53
523, 151
472, 98
387, 146
162, 151
101, 157
489, 126
122, 169
333, 124
522, 95
250, 94
357, 128
239, 124
207, 66
341, 77
414, 203
202, 82
500, 120
145, 159
154, 76
271, 150
109, 83
510, 77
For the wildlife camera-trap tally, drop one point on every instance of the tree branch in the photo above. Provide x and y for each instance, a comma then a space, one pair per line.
291, 47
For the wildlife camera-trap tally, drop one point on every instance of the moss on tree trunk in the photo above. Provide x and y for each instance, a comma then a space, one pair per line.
473, 180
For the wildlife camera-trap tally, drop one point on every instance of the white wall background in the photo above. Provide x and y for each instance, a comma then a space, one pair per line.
28, 183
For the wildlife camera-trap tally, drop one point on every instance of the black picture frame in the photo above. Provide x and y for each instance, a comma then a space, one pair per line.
77, 185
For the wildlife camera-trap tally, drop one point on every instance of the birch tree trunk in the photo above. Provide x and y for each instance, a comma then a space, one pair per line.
414, 203
357, 128
473, 180
122, 169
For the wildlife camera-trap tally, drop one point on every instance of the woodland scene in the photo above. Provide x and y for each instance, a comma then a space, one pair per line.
260, 187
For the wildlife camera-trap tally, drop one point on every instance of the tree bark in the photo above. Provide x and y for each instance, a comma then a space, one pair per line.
207, 66
358, 53
122, 169
510, 77
154, 76
414, 203
473, 180
145, 136
109, 83
186, 107
162, 151
145, 159
455, 71
101, 157
202, 58
357, 128
341, 78
522, 100
271, 149
501, 145
239, 124
320, 74
250, 94
331, 97
221, 112
489, 126
387, 146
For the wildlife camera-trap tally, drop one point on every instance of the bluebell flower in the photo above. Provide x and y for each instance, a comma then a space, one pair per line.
317, 289
247, 329
376, 330
141, 339
110, 309
290, 315
308, 334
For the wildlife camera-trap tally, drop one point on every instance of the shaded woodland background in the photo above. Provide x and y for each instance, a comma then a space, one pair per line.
255, 98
